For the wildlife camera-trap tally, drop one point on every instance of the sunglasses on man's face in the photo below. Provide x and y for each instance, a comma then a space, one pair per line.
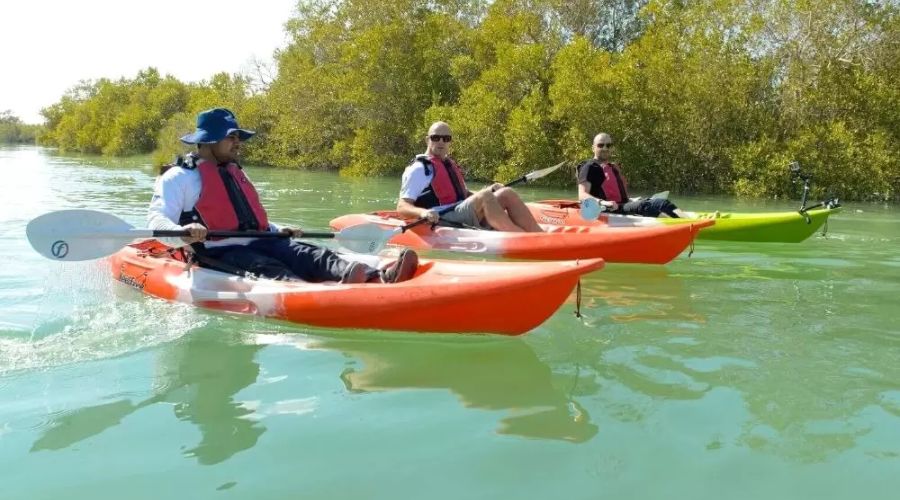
604, 145
439, 138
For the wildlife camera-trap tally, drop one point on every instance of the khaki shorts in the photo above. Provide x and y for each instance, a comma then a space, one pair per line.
464, 214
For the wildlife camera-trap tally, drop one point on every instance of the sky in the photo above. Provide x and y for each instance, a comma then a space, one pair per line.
46, 47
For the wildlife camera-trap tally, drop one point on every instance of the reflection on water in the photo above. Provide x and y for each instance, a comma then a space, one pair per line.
503, 374
201, 379
199, 375
767, 357
763, 334
634, 293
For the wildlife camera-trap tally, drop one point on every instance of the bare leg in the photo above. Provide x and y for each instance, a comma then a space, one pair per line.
488, 208
517, 210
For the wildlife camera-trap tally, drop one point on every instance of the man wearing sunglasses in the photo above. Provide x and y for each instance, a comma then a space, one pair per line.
434, 181
601, 179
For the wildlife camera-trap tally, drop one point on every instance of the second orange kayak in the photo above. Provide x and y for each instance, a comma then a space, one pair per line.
644, 245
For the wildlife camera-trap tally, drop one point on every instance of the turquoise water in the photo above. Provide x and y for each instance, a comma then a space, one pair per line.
745, 371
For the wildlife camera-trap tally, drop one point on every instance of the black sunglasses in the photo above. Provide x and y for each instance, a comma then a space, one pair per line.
604, 145
438, 138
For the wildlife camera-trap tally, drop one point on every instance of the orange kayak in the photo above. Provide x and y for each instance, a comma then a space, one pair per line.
644, 245
508, 298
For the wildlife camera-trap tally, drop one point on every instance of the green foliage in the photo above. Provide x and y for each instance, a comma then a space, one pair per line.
761, 169
851, 165
500, 121
114, 118
711, 96
354, 85
530, 140
13, 131
583, 96
222, 90
855, 165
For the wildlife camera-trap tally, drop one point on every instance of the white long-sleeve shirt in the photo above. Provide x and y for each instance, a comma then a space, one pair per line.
177, 191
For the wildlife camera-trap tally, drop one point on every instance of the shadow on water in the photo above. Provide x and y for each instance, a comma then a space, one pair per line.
199, 375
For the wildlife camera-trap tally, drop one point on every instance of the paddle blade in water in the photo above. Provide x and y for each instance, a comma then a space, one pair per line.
590, 209
71, 235
365, 238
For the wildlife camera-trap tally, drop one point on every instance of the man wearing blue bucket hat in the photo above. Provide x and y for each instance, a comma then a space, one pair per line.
209, 190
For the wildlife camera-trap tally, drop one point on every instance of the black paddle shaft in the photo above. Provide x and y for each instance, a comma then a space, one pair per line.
447, 209
159, 233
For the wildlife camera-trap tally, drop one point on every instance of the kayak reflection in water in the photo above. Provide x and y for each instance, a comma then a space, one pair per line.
199, 376
490, 375
601, 179
210, 191
434, 181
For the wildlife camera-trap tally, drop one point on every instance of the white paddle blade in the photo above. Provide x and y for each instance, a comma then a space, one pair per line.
365, 238
537, 174
663, 195
72, 235
590, 209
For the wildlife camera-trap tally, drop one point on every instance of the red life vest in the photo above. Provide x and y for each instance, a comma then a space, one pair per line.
614, 185
447, 182
606, 182
241, 211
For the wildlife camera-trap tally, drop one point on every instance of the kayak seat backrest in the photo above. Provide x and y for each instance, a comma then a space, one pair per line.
154, 248
561, 204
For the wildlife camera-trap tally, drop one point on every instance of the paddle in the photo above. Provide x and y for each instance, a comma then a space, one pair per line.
591, 209
73, 235
662, 195
529, 177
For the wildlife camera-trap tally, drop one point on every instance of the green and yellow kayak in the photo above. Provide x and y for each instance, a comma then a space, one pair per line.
785, 227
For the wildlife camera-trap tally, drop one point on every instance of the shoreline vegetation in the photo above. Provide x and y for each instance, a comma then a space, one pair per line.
14, 131
700, 97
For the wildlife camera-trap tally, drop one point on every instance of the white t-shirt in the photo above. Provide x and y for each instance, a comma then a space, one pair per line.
415, 182
177, 191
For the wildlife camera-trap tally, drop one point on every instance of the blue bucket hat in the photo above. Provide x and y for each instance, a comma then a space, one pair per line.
213, 125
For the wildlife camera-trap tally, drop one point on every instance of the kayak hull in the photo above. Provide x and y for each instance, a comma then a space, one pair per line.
443, 296
769, 227
783, 227
642, 245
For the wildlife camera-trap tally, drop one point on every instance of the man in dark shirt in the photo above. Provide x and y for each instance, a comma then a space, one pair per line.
601, 179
